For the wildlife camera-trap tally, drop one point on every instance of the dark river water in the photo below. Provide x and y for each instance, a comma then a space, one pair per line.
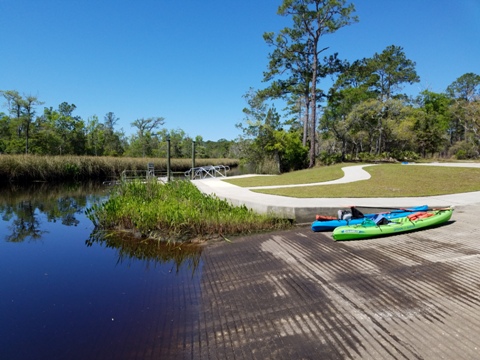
69, 293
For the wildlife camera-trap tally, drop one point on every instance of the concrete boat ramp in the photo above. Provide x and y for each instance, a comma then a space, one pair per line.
300, 295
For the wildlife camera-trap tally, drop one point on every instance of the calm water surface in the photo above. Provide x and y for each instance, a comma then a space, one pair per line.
67, 293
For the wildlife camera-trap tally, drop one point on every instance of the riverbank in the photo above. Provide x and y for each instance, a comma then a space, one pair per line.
177, 212
29, 168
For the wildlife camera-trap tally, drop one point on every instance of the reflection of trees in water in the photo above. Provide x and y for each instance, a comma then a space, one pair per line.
130, 247
63, 203
64, 209
25, 225
23, 206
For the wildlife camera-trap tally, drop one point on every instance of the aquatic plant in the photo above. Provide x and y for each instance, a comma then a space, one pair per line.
178, 212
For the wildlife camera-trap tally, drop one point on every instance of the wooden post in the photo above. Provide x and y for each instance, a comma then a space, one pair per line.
168, 158
193, 159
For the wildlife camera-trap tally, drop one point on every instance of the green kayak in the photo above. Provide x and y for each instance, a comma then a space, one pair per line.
382, 227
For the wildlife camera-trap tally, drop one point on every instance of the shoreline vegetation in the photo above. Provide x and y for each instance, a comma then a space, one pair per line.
177, 212
68, 168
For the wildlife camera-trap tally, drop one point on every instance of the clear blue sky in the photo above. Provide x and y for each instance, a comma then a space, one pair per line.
191, 61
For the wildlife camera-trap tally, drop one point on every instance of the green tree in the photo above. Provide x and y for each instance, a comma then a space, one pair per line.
465, 95
142, 143
217, 149
14, 104
95, 136
335, 119
23, 110
264, 140
361, 110
28, 115
59, 132
48, 141
432, 122
466, 87
75, 129
288, 150
292, 57
113, 139
312, 19
180, 143
390, 70
4, 132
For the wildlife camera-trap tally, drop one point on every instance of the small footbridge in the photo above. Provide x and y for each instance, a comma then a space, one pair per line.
204, 172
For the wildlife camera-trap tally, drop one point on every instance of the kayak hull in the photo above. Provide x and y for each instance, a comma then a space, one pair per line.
400, 225
328, 225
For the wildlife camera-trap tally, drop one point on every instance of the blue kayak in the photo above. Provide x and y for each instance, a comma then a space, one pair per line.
330, 224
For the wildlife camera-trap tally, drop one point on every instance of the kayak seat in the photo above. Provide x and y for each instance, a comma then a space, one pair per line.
356, 214
380, 220
419, 215
344, 215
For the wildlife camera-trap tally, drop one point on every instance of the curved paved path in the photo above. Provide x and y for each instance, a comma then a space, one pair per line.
351, 174
303, 210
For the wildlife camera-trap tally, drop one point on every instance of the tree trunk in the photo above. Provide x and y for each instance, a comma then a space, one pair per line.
313, 106
305, 121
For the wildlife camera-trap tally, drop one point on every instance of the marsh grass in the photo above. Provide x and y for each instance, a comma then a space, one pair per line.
394, 180
317, 174
28, 168
176, 212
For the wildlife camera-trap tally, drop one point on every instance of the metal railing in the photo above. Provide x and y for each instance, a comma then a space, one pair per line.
140, 175
203, 172
163, 176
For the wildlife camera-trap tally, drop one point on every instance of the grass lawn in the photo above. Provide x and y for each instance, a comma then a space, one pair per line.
318, 174
388, 180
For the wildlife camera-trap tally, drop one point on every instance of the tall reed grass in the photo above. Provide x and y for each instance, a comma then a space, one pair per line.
176, 212
27, 168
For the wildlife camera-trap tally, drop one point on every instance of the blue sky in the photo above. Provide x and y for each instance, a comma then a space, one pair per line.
191, 61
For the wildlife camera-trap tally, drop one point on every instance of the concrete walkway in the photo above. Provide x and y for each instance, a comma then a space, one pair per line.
303, 210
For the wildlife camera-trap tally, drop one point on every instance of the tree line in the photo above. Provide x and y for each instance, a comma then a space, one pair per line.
58, 131
364, 114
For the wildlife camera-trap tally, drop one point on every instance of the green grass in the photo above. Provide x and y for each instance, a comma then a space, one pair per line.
393, 180
318, 174
176, 212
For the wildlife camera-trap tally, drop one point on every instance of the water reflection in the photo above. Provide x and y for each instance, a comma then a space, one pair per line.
128, 248
23, 207
69, 292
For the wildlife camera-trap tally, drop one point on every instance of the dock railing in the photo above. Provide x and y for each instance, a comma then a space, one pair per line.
162, 175
204, 172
